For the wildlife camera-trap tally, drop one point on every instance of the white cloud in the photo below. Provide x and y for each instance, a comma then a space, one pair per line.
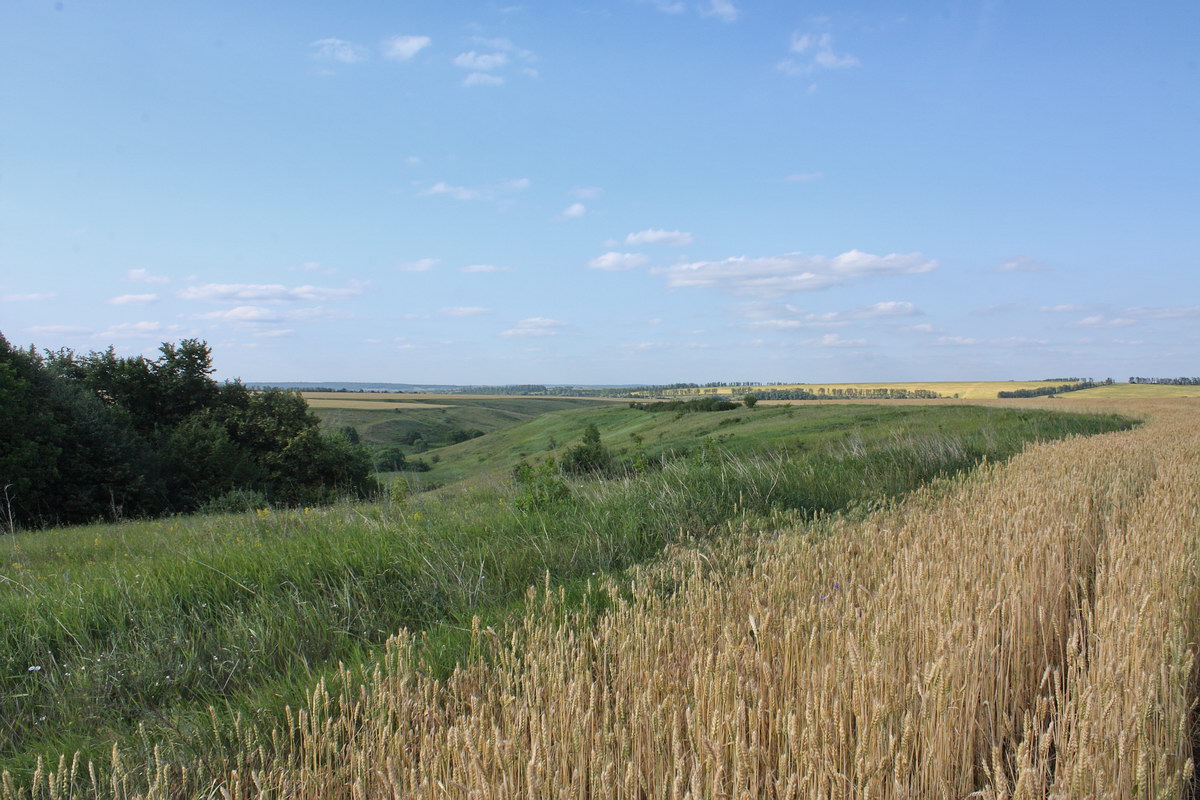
1062, 308
274, 332
269, 293
420, 265
32, 297
457, 192
479, 192
1180, 312
338, 50
788, 317
656, 236
132, 299
464, 311
535, 326
776, 276
923, 327
482, 79
574, 211
723, 10
813, 52
402, 48
480, 62
241, 314
144, 276
1020, 264
56, 329
131, 330
1101, 321
890, 308
617, 261
587, 192
835, 340
956, 340
804, 177
484, 268
506, 46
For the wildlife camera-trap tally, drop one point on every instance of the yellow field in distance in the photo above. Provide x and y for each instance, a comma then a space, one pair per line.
368, 405
967, 390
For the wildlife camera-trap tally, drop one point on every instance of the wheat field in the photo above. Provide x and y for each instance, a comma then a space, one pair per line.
1026, 631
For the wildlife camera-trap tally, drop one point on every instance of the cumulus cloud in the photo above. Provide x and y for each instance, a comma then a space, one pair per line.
241, 314
1179, 312
658, 236
923, 327
789, 317
132, 299
484, 268
420, 265
776, 276
31, 297
480, 62
618, 261
268, 293
574, 211
457, 192
723, 10
1020, 263
478, 192
535, 326
56, 329
1102, 321
812, 52
464, 311
133, 330
338, 50
144, 276
482, 79
402, 48
835, 340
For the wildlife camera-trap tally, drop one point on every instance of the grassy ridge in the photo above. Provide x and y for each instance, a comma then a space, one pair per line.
103, 628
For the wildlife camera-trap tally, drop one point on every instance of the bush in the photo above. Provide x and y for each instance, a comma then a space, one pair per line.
541, 486
235, 501
589, 456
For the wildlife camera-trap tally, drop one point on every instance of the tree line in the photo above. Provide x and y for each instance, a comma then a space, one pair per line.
84, 437
1168, 381
1050, 391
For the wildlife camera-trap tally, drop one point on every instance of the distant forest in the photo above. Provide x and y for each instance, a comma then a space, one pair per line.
85, 437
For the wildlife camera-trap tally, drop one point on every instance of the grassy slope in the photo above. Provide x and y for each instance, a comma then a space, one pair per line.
150, 622
738, 431
437, 419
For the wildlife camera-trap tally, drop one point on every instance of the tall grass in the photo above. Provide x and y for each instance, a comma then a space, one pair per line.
730, 657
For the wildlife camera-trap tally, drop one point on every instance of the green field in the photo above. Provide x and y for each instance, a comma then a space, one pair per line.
106, 628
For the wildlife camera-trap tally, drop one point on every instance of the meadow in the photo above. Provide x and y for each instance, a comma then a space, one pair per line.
197, 641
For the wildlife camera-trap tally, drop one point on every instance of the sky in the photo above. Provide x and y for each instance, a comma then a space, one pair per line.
618, 192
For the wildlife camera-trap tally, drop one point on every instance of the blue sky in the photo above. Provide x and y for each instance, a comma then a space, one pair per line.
606, 192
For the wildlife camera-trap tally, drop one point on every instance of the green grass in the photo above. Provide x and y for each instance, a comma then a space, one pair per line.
488, 414
149, 623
